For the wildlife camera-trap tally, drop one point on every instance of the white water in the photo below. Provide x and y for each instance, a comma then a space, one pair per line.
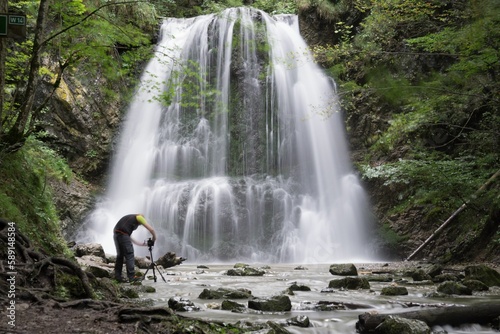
248, 161
189, 281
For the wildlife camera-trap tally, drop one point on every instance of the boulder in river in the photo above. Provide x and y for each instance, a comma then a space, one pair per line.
272, 304
397, 325
343, 269
483, 273
350, 283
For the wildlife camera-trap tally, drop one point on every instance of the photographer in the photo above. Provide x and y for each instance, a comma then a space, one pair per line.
123, 243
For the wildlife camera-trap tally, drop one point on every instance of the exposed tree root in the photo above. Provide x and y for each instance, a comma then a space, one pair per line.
34, 271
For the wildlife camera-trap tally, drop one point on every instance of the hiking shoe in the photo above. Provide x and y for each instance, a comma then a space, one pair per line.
136, 279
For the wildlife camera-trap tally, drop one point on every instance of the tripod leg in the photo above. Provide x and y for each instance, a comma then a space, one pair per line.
161, 274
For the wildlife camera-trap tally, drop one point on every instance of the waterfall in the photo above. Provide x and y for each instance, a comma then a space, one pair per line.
234, 148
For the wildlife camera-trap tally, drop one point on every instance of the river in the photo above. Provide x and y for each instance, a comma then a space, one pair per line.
188, 281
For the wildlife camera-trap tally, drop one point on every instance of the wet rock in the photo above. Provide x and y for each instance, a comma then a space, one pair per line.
246, 271
129, 292
343, 269
398, 325
300, 268
350, 283
99, 272
475, 285
297, 287
420, 275
272, 304
240, 265
378, 278
276, 328
89, 249
394, 291
483, 273
182, 304
299, 321
323, 305
454, 288
229, 305
420, 283
142, 262
445, 277
225, 293
434, 270
95, 265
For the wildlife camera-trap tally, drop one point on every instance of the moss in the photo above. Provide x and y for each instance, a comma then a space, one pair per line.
68, 286
26, 198
391, 238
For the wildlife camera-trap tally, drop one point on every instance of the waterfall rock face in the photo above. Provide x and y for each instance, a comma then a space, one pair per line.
234, 148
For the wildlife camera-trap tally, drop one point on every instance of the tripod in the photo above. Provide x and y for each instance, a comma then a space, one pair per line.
153, 265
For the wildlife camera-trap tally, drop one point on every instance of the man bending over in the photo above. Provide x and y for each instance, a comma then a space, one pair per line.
123, 243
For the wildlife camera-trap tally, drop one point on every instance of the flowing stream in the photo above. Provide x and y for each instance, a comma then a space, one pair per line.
188, 281
234, 148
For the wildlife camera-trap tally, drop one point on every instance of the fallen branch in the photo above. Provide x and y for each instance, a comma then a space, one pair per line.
451, 315
460, 209
169, 260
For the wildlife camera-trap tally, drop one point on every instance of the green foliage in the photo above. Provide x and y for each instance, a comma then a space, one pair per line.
274, 7
391, 239
187, 85
87, 38
432, 179
476, 44
25, 196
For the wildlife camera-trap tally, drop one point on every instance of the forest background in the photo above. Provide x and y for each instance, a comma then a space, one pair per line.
419, 89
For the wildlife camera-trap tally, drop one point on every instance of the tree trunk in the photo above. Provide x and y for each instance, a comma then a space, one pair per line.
23, 118
452, 315
462, 207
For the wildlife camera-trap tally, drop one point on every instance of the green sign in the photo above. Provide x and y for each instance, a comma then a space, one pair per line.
3, 25
18, 20
13, 26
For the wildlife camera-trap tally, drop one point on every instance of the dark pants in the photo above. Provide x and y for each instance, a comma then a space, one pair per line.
124, 249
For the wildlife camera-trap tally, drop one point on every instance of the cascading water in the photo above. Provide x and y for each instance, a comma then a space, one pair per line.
234, 149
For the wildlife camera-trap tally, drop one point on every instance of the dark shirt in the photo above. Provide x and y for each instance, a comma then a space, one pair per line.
127, 224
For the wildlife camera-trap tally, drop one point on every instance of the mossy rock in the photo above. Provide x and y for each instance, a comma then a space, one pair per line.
343, 269
246, 271
445, 277
229, 305
296, 287
273, 304
420, 275
398, 325
454, 288
128, 292
350, 283
225, 293
434, 269
394, 291
483, 273
68, 286
475, 285
98, 271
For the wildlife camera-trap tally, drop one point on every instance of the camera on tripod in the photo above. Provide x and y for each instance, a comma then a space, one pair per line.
150, 242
